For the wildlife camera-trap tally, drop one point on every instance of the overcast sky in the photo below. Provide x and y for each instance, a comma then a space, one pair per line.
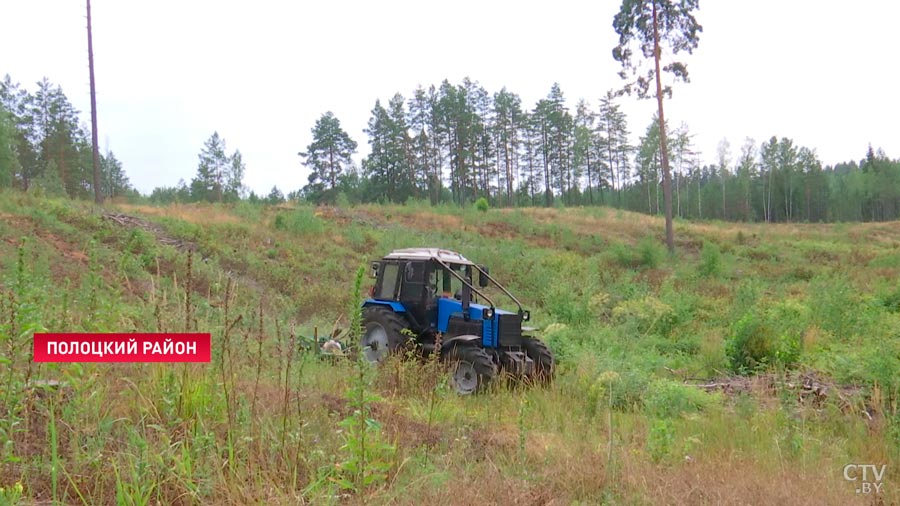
169, 73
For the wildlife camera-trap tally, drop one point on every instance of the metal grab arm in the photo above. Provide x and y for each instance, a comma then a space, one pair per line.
464, 281
501, 287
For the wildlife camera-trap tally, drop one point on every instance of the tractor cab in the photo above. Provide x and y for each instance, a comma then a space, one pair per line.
439, 296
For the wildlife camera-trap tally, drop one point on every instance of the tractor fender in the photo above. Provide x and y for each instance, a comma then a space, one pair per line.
452, 341
396, 306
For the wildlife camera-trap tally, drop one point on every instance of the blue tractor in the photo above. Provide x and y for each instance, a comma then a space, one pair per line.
426, 297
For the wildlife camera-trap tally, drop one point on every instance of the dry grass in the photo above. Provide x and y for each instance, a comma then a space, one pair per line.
726, 481
201, 214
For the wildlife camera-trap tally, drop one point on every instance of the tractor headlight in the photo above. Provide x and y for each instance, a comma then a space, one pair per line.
488, 313
526, 316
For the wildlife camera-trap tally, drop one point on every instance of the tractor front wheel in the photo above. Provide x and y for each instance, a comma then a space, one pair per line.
542, 357
471, 369
382, 332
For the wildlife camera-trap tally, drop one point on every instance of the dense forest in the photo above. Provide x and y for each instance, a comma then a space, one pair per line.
458, 143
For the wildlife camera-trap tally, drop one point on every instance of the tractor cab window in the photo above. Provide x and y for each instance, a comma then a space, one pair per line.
389, 277
433, 283
449, 285
414, 272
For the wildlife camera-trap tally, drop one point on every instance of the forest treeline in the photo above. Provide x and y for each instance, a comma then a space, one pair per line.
458, 142
44, 146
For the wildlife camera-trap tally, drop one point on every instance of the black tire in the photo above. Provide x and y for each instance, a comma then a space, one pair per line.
382, 332
544, 364
471, 369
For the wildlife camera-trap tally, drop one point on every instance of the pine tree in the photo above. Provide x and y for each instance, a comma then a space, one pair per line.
543, 128
612, 132
50, 182
584, 153
648, 164
723, 152
557, 126
815, 187
9, 162
531, 146
768, 163
406, 166
234, 177
653, 25
17, 102
275, 196
787, 164
388, 164
421, 121
682, 156
328, 156
509, 122
209, 183
486, 176
746, 172
113, 181
57, 135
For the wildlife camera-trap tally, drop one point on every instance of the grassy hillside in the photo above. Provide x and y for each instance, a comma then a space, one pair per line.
749, 368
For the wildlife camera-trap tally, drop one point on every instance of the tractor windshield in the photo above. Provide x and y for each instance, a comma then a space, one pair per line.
446, 284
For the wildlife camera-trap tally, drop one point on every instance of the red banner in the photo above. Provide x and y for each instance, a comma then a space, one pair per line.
115, 347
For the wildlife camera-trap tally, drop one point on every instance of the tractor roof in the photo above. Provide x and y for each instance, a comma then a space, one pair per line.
428, 254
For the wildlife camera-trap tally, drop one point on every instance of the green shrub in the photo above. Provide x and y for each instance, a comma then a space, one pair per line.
342, 200
650, 252
670, 399
886, 260
751, 345
688, 344
660, 440
893, 433
764, 337
891, 300
837, 306
620, 391
566, 304
647, 315
482, 204
601, 306
745, 297
873, 365
302, 221
562, 340
12, 494
622, 255
249, 211
710, 260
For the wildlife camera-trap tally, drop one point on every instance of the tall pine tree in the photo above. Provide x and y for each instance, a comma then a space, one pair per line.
653, 25
328, 157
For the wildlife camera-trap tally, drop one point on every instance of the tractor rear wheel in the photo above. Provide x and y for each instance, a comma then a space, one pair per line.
542, 357
471, 369
382, 332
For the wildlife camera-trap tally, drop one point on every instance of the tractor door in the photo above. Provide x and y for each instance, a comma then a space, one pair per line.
388, 281
414, 292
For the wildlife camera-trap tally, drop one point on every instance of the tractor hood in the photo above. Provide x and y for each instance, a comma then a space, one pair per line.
452, 307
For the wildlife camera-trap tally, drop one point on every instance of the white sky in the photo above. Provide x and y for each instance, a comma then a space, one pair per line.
169, 72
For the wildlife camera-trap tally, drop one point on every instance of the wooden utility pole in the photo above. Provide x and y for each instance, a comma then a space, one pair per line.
98, 194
